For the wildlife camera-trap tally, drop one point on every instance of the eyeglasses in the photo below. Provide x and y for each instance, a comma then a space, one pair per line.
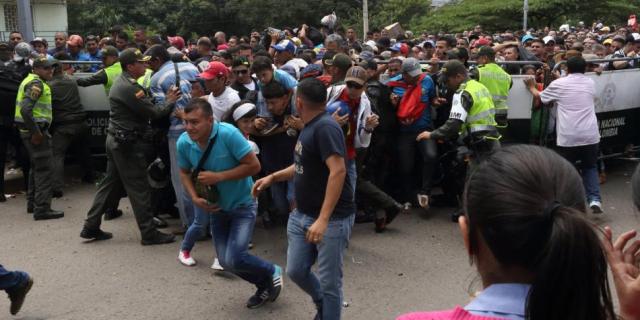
239, 72
353, 85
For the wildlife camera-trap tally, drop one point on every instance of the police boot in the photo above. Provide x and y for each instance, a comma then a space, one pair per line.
47, 215
158, 237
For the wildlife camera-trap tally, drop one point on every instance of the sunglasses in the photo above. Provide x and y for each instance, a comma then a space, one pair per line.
353, 85
239, 72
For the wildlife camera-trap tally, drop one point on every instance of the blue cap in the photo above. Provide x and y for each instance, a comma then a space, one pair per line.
396, 47
285, 45
526, 38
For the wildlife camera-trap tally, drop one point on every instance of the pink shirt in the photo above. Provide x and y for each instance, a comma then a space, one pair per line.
456, 314
576, 124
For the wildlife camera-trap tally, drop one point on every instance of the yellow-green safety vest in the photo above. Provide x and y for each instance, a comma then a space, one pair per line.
498, 82
145, 81
113, 71
42, 111
481, 116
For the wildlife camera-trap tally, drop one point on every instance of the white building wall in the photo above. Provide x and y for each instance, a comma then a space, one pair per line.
49, 17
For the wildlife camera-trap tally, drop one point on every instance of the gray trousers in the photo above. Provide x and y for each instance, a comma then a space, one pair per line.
41, 173
63, 137
126, 167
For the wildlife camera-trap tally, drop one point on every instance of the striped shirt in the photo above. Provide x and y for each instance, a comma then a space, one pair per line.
163, 79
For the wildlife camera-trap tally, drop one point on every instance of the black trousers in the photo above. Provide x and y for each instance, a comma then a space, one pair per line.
408, 150
9, 135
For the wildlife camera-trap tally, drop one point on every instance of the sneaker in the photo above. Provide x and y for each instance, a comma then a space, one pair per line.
250, 245
596, 207
95, 234
258, 299
17, 295
185, 258
423, 201
216, 265
276, 283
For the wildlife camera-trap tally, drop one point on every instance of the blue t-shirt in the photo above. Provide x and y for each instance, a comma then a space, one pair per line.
320, 139
428, 92
229, 148
163, 79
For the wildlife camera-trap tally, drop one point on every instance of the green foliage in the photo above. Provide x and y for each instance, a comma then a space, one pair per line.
497, 15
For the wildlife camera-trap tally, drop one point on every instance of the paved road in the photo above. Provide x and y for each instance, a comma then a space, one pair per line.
419, 264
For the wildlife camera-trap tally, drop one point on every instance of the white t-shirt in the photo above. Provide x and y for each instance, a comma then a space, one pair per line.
222, 103
251, 85
576, 122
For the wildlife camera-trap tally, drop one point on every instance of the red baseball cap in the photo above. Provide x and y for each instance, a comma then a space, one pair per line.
177, 42
481, 42
404, 49
75, 40
215, 69
221, 47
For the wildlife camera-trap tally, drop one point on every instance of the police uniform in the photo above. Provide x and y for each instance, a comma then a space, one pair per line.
69, 127
33, 116
106, 76
498, 82
472, 118
127, 145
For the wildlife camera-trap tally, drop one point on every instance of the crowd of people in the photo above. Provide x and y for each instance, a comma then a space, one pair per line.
318, 129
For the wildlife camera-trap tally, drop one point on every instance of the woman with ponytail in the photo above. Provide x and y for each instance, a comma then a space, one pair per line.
525, 229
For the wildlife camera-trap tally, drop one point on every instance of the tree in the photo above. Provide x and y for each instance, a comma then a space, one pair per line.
497, 15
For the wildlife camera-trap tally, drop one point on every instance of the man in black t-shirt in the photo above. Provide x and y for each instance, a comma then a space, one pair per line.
320, 227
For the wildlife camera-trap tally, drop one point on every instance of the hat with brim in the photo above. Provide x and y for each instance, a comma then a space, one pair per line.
44, 63
340, 61
412, 67
39, 40
356, 74
131, 55
215, 70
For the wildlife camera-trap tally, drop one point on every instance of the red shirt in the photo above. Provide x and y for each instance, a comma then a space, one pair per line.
352, 125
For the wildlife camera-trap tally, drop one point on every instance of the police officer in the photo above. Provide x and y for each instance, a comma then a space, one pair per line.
69, 125
107, 77
127, 141
497, 81
472, 116
33, 117
472, 119
109, 74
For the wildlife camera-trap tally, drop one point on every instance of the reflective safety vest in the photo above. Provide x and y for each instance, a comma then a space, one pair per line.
481, 116
498, 82
42, 111
113, 71
145, 81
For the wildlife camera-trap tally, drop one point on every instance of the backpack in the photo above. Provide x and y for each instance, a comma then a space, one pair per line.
410, 107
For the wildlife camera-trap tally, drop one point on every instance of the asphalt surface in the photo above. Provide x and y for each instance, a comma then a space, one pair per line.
418, 264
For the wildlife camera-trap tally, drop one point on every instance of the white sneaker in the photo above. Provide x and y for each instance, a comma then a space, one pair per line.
596, 207
216, 265
423, 201
185, 258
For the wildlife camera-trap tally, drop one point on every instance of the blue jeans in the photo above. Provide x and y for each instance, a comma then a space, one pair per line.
352, 175
10, 279
326, 286
585, 158
283, 196
183, 200
232, 230
197, 229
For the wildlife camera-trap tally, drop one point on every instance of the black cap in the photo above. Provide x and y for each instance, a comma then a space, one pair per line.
157, 52
453, 68
42, 62
130, 56
240, 61
109, 51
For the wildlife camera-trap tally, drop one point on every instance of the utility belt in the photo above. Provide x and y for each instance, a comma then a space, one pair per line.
481, 145
43, 126
129, 136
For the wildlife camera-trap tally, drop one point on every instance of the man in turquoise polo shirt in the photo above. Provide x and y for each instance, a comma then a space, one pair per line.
227, 169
